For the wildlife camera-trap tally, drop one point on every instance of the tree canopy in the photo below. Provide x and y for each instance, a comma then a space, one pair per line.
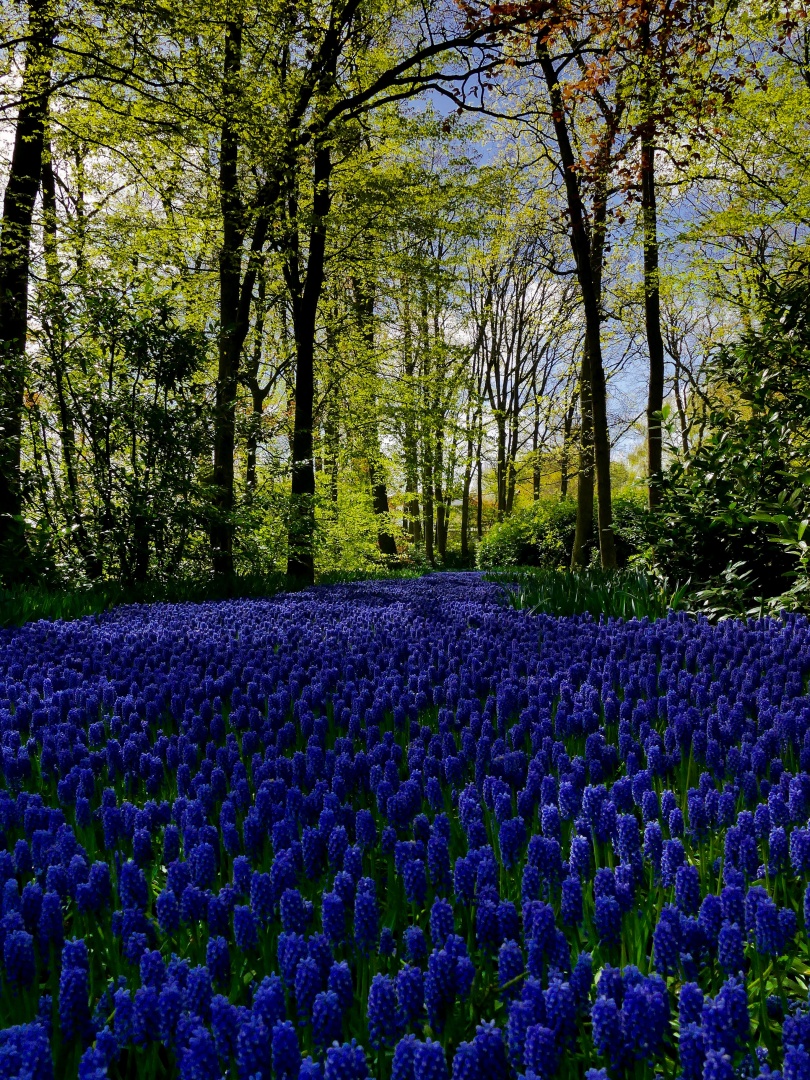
348, 284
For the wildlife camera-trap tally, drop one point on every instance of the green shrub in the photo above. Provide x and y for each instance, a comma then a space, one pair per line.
538, 535
625, 594
543, 534
726, 507
633, 526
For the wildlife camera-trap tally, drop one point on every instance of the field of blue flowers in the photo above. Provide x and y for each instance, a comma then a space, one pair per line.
401, 830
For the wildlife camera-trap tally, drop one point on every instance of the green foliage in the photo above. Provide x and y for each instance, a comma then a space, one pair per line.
625, 594
347, 531
25, 603
726, 510
539, 535
633, 526
127, 500
542, 534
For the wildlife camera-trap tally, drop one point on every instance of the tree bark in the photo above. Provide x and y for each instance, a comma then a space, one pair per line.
679, 404
332, 448
511, 461
479, 510
301, 537
15, 254
465, 495
231, 335
428, 521
449, 485
427, 498
567, 427
55, 326
364, 298
258, 393
438, 492
652, 295
584, 525
581, 247
411, 521
536, 452
500, 467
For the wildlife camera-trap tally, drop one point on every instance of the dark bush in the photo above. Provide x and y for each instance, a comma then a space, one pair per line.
754, 463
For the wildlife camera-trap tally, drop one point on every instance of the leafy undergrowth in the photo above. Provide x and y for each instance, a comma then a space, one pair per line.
625, 594
24, 603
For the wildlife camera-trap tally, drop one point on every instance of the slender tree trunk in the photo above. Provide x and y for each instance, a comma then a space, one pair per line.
379, 500
449, 485
411, 521
652, 318
252, 442
568, 425
79, 227
465, 495
584, 525
376, 472
479, 510
15, 253
438, 493
501, 464
332, 448
511, 467
230, 339
300, 559
581, 248
428, 522
427, 497
536, 452
55, 325
679, 404
257, 392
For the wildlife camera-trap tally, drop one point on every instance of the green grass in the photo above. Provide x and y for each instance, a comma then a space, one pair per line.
626, 594
24, 603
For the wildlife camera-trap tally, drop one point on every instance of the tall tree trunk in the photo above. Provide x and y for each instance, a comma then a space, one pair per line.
438, 492
465, 495
427, 497
511, 467
257, 398
55, 325
411, 522
257, 391
449, 485
679, 404
568, 425
301, 537
230, 339
584, 525
581, 247
427, 479
479, 510
332, 447
364, 298
536, 452
652, 293
500, 467
15, 253
428, 522
379, 501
